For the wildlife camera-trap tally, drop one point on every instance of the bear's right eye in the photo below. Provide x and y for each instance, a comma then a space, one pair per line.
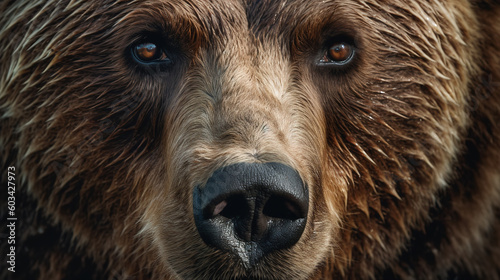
147, 52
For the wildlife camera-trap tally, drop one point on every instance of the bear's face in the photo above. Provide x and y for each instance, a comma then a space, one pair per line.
143, 102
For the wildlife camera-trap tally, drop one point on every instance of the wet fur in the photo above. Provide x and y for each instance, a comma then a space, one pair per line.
400, 150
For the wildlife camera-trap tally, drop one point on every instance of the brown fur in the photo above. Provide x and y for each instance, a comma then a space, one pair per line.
400, 150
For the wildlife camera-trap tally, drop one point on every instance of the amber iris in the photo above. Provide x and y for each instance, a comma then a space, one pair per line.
148, 52
340, 52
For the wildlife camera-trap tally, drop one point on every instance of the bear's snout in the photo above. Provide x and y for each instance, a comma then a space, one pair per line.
251, 209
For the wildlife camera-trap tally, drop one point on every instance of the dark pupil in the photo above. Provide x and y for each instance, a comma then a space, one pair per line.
147, 51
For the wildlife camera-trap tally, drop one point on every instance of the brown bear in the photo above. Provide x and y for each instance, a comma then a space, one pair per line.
355, 139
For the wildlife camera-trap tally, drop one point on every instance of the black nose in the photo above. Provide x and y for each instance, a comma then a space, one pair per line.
251, 209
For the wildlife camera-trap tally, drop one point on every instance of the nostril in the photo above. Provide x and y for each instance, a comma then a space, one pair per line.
283, 208
233, 207
219, 208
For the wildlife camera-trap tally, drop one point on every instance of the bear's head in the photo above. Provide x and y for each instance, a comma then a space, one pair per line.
235, 139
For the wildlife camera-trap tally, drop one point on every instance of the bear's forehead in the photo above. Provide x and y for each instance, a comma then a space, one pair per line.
262, 17
222, 22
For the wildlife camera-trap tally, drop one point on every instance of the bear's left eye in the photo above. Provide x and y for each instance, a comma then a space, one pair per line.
338, 53
147, 52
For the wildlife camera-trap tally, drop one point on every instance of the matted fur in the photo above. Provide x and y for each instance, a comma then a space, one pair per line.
400, 150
